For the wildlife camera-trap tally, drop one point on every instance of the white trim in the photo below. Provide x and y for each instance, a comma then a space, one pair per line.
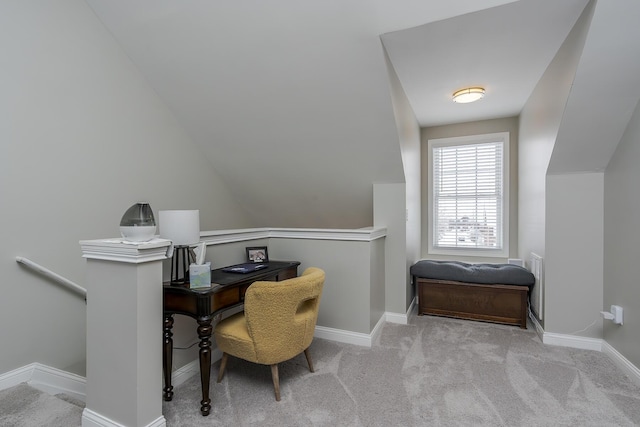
54, 381
55, 276
377, 329
16, 376
340, 335
93, 419
192, 368
349, 337
47, 379
503, 137
361, 234
622, 362
230, 236
596, 344
400, 318
184, 373
572, 341
536, 324
116, 250
219, 237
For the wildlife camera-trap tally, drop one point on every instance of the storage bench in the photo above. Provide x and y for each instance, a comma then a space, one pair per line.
488, 292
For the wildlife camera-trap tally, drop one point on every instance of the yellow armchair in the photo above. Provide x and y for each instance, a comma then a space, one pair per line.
278, 323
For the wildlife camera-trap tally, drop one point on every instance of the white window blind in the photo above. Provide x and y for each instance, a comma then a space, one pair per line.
468, 195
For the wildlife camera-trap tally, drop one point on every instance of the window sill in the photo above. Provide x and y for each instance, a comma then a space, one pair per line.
477, 253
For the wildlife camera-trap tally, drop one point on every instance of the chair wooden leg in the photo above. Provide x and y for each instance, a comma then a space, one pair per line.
276, 380
223, 365
308, 356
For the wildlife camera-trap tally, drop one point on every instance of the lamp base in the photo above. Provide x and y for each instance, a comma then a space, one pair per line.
183, 256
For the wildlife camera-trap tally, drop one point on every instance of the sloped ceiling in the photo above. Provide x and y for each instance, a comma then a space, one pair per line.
290, 100
605, 91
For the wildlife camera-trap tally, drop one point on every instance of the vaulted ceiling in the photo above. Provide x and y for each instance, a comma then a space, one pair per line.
290, 100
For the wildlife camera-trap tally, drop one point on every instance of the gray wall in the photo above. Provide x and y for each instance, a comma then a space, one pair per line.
474, 128
538, 127
83, 137
389, 201
351, 296
409, 138
574, 254
621, 237
285, 89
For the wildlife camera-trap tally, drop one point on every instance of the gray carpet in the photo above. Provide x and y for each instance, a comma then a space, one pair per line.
25, 406
432, 372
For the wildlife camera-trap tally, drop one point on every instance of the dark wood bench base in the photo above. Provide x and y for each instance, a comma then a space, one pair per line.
505, 304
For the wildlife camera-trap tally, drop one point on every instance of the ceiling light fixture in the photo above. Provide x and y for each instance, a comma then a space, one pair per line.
467, 95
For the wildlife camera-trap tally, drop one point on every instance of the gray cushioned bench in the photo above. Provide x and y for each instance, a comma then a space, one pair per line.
488, 292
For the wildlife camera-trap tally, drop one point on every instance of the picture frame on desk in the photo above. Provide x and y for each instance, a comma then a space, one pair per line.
257, 254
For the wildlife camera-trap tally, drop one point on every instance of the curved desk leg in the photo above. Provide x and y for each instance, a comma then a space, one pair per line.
204, 333
167, 357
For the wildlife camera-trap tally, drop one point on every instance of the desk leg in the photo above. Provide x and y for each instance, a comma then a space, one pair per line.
204, 333
167, 357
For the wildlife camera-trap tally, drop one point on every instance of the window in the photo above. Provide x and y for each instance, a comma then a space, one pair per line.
468, 195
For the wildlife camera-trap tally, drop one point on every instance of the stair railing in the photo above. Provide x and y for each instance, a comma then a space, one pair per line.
54, 276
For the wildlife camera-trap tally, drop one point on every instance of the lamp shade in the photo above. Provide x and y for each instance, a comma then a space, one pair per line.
182, 227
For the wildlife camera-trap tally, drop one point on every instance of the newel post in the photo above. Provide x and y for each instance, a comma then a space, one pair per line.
124, 333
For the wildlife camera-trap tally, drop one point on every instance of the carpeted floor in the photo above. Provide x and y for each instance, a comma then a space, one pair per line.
25, 406
432, 372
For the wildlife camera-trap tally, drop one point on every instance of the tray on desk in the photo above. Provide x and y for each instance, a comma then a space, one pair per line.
245, 268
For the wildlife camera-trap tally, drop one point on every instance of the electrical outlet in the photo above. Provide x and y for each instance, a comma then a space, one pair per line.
616, 310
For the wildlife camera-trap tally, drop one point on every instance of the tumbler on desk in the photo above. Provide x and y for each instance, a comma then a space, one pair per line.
182, 227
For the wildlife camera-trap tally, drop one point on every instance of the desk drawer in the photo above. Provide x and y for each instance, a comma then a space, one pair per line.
228, 297
289, 273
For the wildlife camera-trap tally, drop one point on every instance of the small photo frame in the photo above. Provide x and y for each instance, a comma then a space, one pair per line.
257, 254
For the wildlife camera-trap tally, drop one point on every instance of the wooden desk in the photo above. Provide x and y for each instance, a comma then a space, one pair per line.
227, 291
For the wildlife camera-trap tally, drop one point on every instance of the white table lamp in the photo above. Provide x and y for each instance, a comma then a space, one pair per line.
182, 227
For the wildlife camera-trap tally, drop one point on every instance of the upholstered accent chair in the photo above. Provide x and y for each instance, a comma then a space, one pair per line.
278, 323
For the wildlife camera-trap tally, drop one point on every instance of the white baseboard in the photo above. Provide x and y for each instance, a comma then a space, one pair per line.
192, 368
596, 344
375, 332
15, 377
572, 341
93, 419
536, 325
54, 381
357, 338
47, 379
400, 318
340, 335
622, 362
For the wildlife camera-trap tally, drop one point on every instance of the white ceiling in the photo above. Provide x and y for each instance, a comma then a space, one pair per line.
503, 49
290, 100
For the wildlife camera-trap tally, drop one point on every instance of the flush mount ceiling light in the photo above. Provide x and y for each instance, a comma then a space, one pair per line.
467, 95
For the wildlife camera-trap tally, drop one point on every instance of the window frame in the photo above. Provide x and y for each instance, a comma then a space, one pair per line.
431, 215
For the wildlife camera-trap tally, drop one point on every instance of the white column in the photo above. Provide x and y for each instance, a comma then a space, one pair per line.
124, 333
